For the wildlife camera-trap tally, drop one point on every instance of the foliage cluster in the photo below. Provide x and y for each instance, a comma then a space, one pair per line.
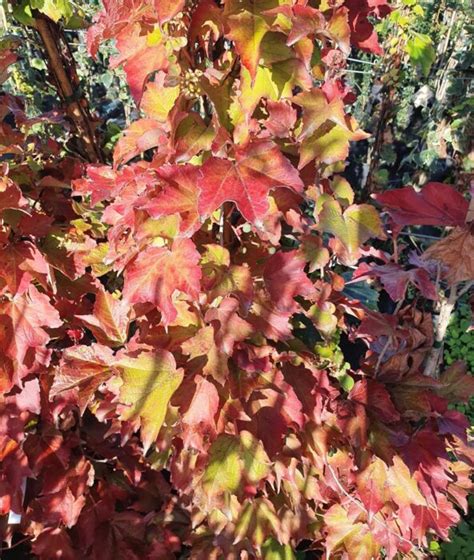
185, 370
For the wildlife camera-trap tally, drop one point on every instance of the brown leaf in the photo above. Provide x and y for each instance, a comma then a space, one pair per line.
456, 254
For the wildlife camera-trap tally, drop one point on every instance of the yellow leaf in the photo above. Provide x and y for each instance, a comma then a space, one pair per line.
354, 227
232, 458
159, 99
149, 381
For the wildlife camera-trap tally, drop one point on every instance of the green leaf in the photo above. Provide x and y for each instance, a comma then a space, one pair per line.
273, 550
54, 9
421, 52
223, 473
353, 227
231, 459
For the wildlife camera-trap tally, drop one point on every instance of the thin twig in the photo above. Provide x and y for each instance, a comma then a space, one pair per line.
361, 61
389, 340
11, 547
419, 235
351, 71
466, 288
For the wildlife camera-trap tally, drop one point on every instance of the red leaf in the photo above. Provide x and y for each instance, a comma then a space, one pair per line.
257, 170
270, 321
285, 278
230, 327
281, 118
22, 336
142, 135
436, 204
10, 195
20, 263
139, 58
157, 273
198, 420
109, 322
82, 370
53, 543
179, 195
395, 279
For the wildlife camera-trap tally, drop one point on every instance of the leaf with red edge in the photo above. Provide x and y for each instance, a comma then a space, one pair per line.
258, 169
285, 279
330, 143
246, 28
372, 486
140, 55
110, 319
232, 460
230, 327
157, 273
353, 227
436, 204
23, 337
221, 279
317, 110
198, 421
140, 136
312, 250
344, 533
179, 195
20, 263
81, 371
339, 29
192, 136
305, 21
159, 98
203, 346
403, 487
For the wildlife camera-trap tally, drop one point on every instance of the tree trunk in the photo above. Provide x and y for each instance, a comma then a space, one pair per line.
62, 68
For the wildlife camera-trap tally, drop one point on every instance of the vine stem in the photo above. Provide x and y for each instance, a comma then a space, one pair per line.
11, 547
389, 340
446, 309
63, 71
